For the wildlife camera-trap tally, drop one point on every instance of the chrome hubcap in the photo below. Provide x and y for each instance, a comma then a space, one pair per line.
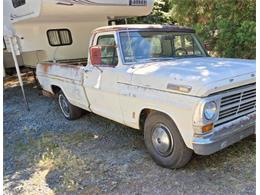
64, 105
162, 140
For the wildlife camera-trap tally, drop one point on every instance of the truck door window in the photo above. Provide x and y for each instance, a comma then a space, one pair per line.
109, 53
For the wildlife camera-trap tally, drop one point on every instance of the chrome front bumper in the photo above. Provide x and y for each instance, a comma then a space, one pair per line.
224, 135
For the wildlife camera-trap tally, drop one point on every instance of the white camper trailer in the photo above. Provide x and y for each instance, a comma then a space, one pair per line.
48, 30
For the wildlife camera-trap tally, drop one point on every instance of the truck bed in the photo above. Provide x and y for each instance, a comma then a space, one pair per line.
68, 71
77, 61
68, 77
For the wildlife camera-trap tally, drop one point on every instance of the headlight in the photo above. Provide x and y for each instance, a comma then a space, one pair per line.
210, 110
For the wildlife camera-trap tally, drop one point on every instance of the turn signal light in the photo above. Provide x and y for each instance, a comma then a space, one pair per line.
207, 128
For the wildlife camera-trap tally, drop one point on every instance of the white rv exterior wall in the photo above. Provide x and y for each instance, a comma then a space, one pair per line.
35, 46
31, 9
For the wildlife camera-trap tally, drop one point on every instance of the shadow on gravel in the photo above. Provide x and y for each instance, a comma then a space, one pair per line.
45, 153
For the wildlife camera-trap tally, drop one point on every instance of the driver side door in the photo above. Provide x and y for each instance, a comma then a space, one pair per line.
100, 81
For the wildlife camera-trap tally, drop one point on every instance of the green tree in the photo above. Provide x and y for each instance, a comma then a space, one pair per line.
228, 26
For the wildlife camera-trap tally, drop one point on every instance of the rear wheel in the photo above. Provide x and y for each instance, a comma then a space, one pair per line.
164, 142
70, 111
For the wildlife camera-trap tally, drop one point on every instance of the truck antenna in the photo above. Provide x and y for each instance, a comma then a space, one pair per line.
130, 42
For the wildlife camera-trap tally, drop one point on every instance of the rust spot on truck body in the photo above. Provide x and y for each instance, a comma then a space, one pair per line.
46, 66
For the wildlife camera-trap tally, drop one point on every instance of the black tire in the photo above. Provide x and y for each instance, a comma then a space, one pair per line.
172, 151
69, 111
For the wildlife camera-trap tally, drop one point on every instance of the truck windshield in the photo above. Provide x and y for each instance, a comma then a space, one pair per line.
148, 46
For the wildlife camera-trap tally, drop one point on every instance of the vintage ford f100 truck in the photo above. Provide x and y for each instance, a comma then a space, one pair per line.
160, 79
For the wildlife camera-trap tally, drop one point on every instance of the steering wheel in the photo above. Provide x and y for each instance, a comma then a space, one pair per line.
181, 50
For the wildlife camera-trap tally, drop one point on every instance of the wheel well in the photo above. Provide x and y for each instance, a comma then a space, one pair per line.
55, 89
143, 115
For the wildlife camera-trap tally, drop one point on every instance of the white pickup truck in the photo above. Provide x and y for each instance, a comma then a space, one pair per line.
159, 79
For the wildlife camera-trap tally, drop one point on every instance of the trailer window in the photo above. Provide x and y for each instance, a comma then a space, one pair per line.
59, 37
18, 3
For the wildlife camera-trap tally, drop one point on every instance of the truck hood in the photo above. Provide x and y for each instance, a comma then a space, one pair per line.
202, 75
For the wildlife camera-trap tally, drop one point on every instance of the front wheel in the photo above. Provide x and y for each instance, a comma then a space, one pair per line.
70, 111
164, 142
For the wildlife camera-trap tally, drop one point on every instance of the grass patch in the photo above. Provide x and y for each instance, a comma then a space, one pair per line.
55, 150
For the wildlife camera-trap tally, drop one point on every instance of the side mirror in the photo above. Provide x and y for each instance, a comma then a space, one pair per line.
108, 52
95, 55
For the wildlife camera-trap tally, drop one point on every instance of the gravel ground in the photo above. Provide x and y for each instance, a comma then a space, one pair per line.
46, 154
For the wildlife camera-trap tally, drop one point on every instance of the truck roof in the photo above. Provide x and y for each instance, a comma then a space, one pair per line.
145, 27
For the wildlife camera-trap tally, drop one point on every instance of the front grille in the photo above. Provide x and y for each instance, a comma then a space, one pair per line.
237, 103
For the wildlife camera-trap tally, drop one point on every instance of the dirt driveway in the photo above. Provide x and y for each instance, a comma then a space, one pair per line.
46, 154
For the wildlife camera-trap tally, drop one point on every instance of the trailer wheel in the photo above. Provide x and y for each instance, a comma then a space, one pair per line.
164, 142
70, 111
